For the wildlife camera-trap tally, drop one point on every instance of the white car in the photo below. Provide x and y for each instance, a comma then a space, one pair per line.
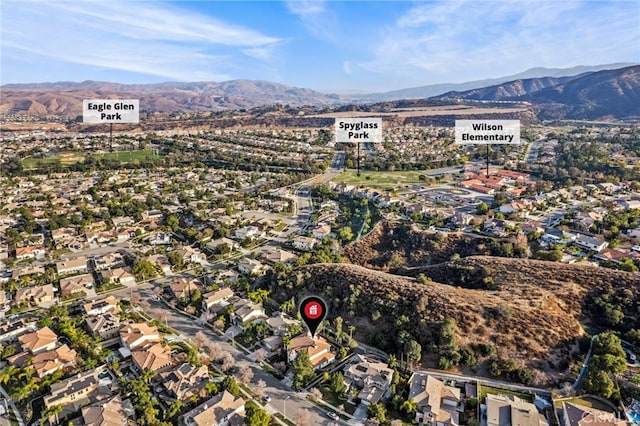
332, 415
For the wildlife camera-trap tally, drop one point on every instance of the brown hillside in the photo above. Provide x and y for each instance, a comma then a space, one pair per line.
529, 324
392, 245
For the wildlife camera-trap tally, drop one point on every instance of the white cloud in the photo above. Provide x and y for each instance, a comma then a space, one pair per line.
466, 40
305, 7
143, 37
346, 67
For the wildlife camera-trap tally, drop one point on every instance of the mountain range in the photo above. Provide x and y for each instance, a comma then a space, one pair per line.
601, 94
580, 92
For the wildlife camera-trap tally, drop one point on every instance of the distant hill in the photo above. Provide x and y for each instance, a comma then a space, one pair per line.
65, 98
601, 94
437, 89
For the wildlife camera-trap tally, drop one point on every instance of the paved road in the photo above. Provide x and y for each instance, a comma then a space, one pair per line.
275, 389
12, 404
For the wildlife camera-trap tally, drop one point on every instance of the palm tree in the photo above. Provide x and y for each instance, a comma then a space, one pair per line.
175, 408
147, 375
8, 373
410, 406
54, 410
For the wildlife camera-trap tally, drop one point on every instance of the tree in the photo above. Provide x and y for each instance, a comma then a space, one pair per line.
255, 416
302, 417
337, 325
345, 234
245, 374
598, 382
377, 411
414, 351
302, 369
172, 222
337, 383
410, 406
258, 296
175, 408
144, 270
175, 259
230, 385
260, 388
482, 208
7, 374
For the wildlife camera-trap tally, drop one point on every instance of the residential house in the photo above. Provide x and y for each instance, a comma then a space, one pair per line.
40, 340
66, 238
185, 381
122, 221
138, 335
371, 377
30, 252
634, 233
190, 254
9, 331
39, 295
614, 255
47, 362
250, 266
251, 232
119, 276
629, 204
247, 311
279, 321
101, 306
75, 284
495, 227
162, 262
437, 404
72, 266
506, 410
155, 357
183, 289
318, 349
321, 231
272, 257
105, 326
159, 238
579, 415
110, 412
512, 208
213, 246
216, 298
304, 243
590, 243
25, 270
556, 236
152, 215
108, 261
221, 410
76, 391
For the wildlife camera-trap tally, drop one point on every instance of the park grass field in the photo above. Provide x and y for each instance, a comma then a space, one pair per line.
67, 158
382, 180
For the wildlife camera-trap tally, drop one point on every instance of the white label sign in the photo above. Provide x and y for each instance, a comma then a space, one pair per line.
359, 129
485, 132
110, 111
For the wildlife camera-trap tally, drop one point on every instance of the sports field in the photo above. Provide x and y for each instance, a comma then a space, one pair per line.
67, 158
382, 180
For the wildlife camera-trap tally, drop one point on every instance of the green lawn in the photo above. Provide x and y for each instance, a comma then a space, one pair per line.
587, 402
382, 180
78, 156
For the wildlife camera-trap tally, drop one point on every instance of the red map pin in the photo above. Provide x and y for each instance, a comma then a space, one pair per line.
313, 310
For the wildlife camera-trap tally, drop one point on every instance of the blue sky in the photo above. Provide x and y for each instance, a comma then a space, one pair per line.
334, 46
